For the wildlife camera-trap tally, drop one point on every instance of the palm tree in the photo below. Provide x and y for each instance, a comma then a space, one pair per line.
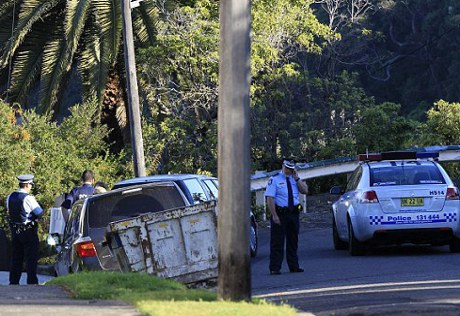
43, 41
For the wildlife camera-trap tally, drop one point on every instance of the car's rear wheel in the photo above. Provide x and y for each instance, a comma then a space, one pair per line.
338, 243
355, 247
454, 245
253, 240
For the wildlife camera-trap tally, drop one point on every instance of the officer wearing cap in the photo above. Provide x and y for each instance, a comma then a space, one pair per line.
81, 192
23, 212
282, 195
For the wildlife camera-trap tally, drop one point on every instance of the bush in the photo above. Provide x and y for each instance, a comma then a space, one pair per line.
55, 154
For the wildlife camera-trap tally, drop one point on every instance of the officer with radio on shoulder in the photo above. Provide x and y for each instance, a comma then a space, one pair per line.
282, 195
23, 212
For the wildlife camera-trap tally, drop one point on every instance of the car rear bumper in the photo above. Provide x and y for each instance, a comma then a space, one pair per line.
432, 236
437, 225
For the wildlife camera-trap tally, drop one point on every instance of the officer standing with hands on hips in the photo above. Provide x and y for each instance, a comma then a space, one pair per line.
23, 212
282, 195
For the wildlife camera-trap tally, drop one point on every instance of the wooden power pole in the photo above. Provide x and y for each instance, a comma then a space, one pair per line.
133, 93
234, 281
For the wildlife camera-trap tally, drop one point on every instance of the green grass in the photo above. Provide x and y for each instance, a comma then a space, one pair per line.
160, 297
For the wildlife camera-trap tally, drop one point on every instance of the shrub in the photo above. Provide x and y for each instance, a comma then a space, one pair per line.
55, 154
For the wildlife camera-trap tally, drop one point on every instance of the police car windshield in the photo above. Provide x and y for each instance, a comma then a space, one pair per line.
405, 174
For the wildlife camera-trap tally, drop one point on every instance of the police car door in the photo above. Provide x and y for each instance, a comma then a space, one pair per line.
345, 201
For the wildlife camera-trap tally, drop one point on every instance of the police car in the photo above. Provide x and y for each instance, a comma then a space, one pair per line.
395, 198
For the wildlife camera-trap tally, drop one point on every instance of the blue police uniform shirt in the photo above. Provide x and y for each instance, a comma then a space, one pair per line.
22, 207
78, 193
277, 188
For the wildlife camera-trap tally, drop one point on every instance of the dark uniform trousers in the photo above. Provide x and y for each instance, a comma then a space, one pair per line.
24, 242
287, 230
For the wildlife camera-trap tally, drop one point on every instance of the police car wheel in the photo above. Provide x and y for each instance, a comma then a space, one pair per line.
454, 245
355, 247
338, 243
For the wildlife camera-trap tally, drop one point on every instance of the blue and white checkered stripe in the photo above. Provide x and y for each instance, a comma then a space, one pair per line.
450, 217
375, 220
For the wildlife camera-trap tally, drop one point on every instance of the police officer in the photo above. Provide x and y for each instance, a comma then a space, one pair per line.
282, 195
77, 193
23, 212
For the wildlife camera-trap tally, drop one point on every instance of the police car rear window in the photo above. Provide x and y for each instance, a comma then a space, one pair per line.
110, 208
405, 174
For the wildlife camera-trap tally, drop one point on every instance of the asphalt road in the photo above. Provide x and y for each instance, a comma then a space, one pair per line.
408, 280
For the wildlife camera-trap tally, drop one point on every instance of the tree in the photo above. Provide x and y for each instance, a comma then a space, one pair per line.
181, 87
382, 128
53, 39
442, 128
180, 133
443, 125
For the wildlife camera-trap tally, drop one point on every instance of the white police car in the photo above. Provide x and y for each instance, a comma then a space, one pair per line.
396, 198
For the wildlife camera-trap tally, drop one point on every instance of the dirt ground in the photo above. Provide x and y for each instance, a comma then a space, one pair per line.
318, 214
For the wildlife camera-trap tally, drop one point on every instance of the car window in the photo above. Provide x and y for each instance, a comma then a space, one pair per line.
134, 202
73, 224
354, 180
405, 174
196, 190
211, 186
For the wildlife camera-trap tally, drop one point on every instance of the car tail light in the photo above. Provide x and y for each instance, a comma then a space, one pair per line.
369, 197
85, 249
452, 194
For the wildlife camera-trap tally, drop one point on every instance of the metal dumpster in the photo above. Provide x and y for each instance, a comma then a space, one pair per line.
178, 243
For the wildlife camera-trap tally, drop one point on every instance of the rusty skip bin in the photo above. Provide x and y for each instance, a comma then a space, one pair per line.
177, 243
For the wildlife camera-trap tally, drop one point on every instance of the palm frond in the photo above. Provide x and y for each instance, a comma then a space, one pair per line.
27, 63
76, 15
6, 13
94, 67
6, 21
56, 60
108, 18
101, 46
30, 12
144, 20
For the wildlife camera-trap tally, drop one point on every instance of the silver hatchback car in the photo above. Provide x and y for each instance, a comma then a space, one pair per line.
395, 198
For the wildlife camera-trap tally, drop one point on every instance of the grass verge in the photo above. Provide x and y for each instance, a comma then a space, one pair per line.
160, 297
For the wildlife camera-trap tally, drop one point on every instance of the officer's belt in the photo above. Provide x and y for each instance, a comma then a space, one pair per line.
22, 226
285, 209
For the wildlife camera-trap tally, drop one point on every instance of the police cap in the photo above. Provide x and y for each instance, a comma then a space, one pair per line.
26, 178
289, 163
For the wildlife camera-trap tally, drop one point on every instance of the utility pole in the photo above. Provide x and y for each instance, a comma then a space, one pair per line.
133, 93
234, 281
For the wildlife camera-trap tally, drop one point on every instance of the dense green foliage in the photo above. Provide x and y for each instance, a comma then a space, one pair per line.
330, 78
293, 111
55, 154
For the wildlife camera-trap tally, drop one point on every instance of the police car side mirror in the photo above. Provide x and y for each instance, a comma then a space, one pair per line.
336, 190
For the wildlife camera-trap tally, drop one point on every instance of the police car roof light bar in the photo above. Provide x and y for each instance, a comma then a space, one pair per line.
397, 155
370, 157
427, 155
